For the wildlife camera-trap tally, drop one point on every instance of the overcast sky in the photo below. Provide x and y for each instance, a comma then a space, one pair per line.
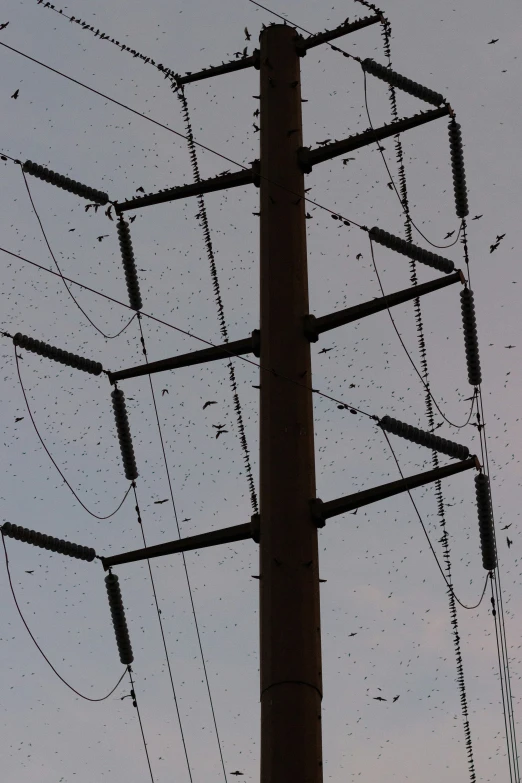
382, 580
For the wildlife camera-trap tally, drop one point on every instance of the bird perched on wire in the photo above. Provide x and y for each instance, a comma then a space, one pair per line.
322, 143
210, 402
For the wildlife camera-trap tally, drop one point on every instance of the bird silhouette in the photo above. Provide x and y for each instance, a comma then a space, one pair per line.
492, 248
256, 113
449, 234
390, 185
132, 219
510, 346
247, 34
506, 526
379, 698
218, 426
395, 698
102, 236
353, 633
19, 419
500, 237
29, 572
4, 25
493, 40
159, 502
164, 391
346, 160
220, 432
15, 94
358, 256
237, 772
210, 402
477, 217
140, 190
325, 350
256, 127
322, 143
509, 542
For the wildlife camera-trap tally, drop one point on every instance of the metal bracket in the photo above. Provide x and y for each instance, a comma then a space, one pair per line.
310, 328
256, 343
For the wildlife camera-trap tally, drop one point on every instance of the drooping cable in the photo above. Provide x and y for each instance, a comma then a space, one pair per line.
185, 568
44, 656
78, 305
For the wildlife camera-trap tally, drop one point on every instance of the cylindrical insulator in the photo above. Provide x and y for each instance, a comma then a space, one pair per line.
457, 167
129, 265
48, 542
124, 436
64, 357
485, 517
404, 84
469, 325
424, 438
412, 251
118, 619
64, 182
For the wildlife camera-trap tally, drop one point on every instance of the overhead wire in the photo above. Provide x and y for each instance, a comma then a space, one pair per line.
135, 703
44, 656
82, 504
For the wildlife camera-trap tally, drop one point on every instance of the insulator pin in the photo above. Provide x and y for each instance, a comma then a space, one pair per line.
469, 325
412, 251
129, 265
64, 357
485, 517
124, 436
404, 84
457, 167
60, 181
118, 619
48, 542
424, 438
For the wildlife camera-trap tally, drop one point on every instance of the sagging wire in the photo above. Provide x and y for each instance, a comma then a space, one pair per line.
202, 211
44, 656
191, 598
403, 197
445, 534
164, 640
422, 342
78, 305
96, 516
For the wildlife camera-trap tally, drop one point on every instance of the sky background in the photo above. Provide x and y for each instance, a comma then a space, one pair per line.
382, 580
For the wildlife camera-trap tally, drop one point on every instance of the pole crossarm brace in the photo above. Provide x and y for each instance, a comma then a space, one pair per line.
315, 326
225, 351
308, 158
303, 44
323, 511
221, 182
227, 535
233, 65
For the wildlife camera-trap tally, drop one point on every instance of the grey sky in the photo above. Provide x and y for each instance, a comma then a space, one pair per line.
382, 580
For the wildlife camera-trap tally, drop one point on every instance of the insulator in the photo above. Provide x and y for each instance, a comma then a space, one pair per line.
485, 517
124, 436
424, 438
404, 84
48, 542
412, 251
118, 619
129, 265
469, 325
60, 181
457, 167
64, 357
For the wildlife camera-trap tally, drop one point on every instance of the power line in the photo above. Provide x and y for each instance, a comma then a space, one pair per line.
44, 656
135, 703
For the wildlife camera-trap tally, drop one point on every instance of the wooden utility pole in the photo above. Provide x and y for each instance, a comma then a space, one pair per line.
291, 683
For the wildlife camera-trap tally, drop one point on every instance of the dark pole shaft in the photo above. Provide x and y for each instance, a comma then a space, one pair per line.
291, 683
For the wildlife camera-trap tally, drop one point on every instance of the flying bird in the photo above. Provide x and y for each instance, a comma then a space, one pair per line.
358, 256
390, 185
396, 697
256, 127
132, 219
29, 572
103, 236
210, 402
509, 542
477, 217
500, 236
510, 346
492, 248
218, 426
449, 234
493, 40
354, 633
325, 350
237, 772
15, 94
4, 25
19, 419
159, 502
220, 432
164, 391
506, 526
140, 190
247, 34
379, 698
